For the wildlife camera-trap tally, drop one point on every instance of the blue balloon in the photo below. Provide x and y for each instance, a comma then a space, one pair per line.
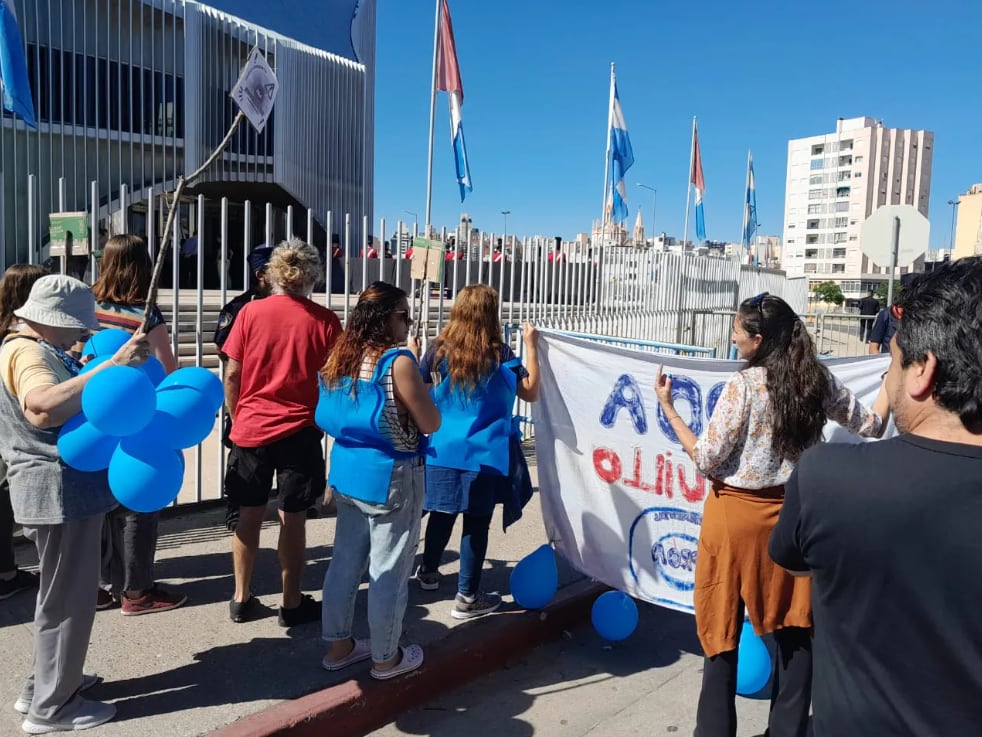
183, 418
535, 579
197, 377
83, 447
89, 365
614, 615
753, 662
105, 342
144, 476
154, 370
119, 401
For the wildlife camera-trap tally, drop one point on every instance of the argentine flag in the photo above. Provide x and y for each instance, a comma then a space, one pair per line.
750, 205
622, 157
13, 67
448, 80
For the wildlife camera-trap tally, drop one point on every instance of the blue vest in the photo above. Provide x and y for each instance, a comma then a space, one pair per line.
475, 425
362, 457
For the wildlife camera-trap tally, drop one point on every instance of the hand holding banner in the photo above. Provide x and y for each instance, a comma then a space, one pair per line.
620, 498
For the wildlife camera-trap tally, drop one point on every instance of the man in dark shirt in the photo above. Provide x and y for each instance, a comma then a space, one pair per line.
258, 288
889, 533
868, 307
882, 331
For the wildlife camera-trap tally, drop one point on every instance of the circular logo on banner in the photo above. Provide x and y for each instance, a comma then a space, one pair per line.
662, 552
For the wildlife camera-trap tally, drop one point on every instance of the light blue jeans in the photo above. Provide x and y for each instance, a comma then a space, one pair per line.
382, 538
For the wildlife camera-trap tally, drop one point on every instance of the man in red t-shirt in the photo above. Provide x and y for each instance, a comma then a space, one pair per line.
275, 350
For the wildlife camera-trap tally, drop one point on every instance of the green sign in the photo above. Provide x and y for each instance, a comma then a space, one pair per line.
68, 234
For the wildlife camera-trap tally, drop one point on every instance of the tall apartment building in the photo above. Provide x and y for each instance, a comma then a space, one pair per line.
968, 233
834, 182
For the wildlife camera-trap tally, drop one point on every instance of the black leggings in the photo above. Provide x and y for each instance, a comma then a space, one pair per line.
790, 694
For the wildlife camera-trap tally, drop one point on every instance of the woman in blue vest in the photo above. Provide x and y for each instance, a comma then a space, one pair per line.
376, 407
475, 378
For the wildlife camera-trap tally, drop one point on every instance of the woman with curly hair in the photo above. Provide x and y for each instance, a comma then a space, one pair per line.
275, 349
376, 407
129, 539
476, 378
767, 415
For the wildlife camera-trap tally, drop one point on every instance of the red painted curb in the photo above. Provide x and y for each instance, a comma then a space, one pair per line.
356, 707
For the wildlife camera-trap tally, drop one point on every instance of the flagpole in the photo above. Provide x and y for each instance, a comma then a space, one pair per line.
423, 318
746, 207
610, 123
429, 158
688, 185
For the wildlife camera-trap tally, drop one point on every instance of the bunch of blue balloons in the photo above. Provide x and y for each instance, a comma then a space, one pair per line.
136, 421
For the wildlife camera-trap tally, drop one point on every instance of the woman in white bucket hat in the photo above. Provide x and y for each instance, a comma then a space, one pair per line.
60, 508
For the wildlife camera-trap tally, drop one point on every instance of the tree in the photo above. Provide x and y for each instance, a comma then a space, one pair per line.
830, 293
881, 291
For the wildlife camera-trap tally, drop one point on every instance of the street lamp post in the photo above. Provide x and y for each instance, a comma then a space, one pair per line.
951, 235
654, 205
504, 240
415, 221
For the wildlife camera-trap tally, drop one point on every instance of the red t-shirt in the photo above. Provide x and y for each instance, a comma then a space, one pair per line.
281, 342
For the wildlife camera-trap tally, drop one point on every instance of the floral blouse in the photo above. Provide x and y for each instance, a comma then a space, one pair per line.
735, 448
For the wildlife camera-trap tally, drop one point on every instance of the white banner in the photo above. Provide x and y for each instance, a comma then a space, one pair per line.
620, 498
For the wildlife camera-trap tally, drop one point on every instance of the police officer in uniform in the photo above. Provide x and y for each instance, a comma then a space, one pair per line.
259, 287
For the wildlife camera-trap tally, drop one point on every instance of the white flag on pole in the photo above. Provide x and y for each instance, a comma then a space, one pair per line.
256, 90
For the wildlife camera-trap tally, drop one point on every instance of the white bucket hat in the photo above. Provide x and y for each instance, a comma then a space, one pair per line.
60, 301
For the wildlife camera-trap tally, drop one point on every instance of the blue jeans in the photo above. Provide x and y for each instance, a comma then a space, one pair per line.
383, 539
473, 547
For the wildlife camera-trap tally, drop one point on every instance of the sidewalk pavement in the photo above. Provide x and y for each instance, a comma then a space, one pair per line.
192, 671
580, 686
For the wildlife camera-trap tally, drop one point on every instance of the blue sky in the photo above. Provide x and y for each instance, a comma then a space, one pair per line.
536, 78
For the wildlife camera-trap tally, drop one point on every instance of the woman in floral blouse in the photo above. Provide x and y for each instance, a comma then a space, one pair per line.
768, 414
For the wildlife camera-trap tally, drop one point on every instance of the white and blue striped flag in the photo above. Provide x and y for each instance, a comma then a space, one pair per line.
13, 67
750, 205
448, 80
621, 159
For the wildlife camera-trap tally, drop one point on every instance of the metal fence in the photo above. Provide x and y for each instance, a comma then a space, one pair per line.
645, 299
836, 334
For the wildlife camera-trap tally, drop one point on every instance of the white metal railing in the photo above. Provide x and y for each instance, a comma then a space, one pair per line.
836, 334
615, 294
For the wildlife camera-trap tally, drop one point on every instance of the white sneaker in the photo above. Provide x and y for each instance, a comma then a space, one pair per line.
89, 714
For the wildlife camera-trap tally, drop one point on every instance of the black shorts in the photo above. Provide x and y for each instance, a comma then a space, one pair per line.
301, 475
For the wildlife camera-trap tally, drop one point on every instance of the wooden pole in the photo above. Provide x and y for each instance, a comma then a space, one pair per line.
158, 266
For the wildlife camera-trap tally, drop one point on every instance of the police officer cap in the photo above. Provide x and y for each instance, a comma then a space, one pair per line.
260, 257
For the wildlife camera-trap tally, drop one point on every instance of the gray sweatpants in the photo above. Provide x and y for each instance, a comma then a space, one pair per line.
68, 557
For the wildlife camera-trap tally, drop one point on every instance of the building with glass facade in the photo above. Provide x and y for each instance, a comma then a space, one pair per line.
131, 94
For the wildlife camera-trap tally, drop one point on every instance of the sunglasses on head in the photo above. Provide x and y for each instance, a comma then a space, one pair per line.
758, 302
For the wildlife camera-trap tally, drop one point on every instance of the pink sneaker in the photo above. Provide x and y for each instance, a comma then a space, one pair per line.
155, 600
